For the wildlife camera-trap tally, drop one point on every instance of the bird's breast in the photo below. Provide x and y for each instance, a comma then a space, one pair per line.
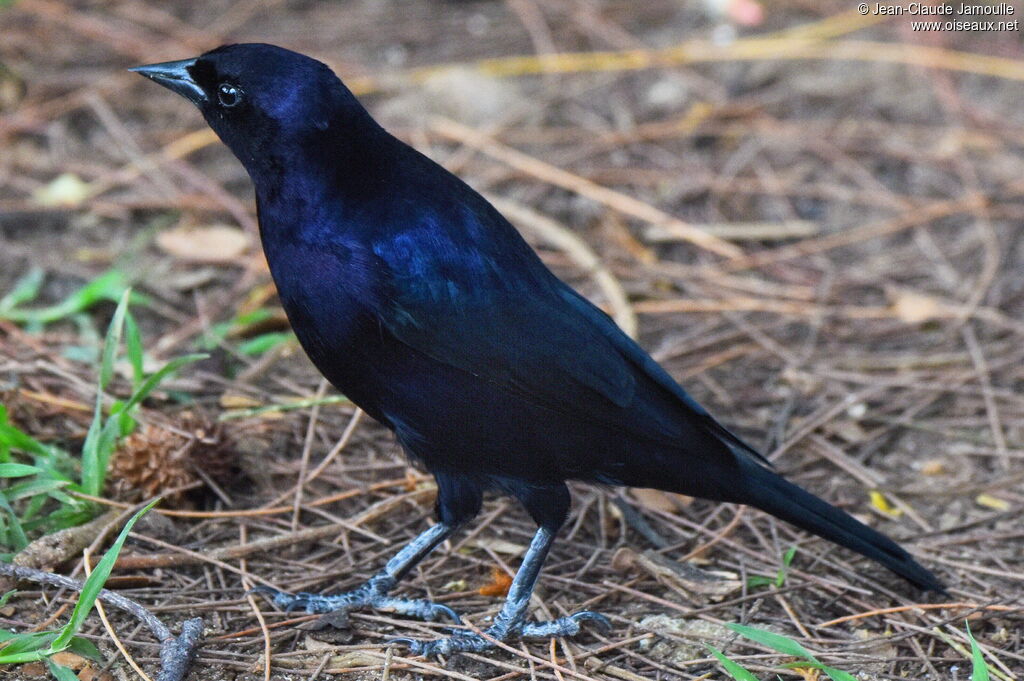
329, 297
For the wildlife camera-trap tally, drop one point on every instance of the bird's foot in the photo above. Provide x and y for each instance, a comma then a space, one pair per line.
373, 594
470, 642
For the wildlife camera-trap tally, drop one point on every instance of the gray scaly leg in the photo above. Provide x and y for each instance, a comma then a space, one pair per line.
374, 593
509, 623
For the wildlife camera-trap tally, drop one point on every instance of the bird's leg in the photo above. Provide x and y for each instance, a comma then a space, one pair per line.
509, 623
374, 593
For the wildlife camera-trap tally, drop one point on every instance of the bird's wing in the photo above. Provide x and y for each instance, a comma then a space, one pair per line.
653, 371
491, 308
453, 302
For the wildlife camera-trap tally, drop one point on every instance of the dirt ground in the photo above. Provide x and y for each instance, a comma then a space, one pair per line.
813, 221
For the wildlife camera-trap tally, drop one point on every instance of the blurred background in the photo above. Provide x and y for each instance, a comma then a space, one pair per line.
809, 212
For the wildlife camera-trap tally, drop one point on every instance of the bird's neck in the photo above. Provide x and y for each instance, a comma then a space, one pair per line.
313, 188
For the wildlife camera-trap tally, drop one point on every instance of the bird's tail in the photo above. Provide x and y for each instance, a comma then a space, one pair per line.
772, 493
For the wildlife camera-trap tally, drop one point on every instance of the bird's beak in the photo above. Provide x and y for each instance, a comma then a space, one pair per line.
174, 75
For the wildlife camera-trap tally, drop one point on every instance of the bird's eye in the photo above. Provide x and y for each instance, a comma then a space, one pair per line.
229, 95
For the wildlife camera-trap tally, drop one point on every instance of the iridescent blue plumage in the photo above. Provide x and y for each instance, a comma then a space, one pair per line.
419, 301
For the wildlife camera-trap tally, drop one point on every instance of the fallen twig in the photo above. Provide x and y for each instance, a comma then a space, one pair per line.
270, 544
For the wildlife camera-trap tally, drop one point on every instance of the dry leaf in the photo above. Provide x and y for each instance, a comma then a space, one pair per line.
808, 673
412, 479
657, 500
500, 583
876, 643
499, 546
912, 307
849, 431
67, 190
356, 658
989, 501
685, 576
683, 640
90, 673
72, 660
211, 244
880, 503
236, 401
934, 467
315, 645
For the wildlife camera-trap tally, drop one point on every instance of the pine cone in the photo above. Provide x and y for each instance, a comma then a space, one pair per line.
156, 459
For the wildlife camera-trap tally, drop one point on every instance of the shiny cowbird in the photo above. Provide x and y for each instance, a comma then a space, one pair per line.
422, 304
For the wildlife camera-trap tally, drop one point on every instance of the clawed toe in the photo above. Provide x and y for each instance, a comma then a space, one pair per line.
401, 641
428, 611
417, 648
508, 624
439, 611
464, 643
601, 622
335, 609
462, 640
269, 591
565, 626
285, 600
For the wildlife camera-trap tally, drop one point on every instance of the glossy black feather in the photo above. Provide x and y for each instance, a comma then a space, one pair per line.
418, 300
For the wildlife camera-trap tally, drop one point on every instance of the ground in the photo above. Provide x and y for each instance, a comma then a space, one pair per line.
812, 222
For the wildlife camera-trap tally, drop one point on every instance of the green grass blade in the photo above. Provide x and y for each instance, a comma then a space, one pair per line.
94, 584
979, 669
107, 286
60, 672
99, 442
85, 648
94, 466
264, 342
107, 444
16, 538
33, 487
5, 449
22, 648
777, 642
838, 674
18, 470
25, 290
787, 560
32, 508
92, 477
154, 379
755, 581
133, 347
14, 438
733, 669
113, 340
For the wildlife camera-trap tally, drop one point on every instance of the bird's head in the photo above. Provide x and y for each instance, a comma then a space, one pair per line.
261, 100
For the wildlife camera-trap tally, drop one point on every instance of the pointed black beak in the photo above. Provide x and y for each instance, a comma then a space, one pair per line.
174, 75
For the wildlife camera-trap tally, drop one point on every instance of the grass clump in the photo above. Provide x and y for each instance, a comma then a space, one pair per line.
41, 478
43, 645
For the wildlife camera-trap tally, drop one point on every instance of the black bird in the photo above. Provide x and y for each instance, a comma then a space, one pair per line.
421, 303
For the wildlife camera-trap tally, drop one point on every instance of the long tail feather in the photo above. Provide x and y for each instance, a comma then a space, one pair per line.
773, 494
